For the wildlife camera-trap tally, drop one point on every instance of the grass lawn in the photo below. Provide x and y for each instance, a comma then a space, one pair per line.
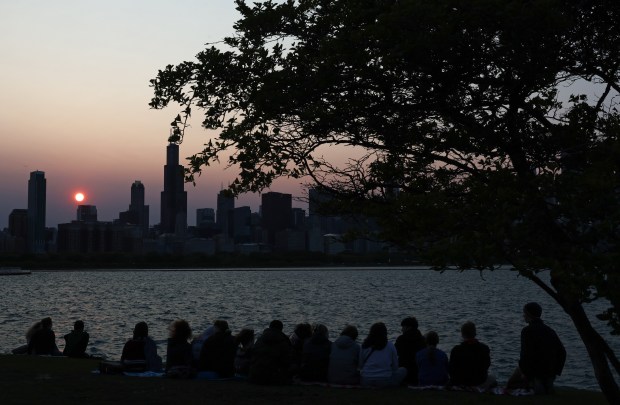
29, 379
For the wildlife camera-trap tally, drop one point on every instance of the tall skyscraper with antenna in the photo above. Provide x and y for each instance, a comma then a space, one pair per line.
173, 198
225, 204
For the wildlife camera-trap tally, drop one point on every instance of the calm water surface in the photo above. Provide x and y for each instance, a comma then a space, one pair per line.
111, 302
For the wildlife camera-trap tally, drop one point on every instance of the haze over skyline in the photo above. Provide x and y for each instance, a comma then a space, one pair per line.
74, 102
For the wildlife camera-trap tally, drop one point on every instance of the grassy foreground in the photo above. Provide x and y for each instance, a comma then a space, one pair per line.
27, 380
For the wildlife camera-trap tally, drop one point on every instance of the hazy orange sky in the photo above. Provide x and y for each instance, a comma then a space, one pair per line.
74, 94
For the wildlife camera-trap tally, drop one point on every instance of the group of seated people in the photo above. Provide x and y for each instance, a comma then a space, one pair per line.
307, 355
41, 340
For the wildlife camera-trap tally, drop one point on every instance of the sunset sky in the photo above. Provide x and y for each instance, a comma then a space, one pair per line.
74, 94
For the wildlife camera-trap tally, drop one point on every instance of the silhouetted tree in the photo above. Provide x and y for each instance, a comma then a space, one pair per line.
468, 133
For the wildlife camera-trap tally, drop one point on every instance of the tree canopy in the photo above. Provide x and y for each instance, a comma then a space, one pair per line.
495, 120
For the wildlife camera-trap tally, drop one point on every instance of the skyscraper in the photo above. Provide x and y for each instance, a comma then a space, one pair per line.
138, 213
18, 228
18, 223
317, 213
36, 212
276, 211
137, 195
240, 224
87, 213
225, 204
205, 217
173, 198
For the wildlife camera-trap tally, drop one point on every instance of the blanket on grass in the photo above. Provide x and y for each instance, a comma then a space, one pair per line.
325, 384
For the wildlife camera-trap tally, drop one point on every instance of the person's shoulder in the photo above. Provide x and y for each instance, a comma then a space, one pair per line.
547, 327
456, 349
526, 329
484, 346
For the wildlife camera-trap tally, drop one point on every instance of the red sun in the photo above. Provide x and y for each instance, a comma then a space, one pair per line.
79, 197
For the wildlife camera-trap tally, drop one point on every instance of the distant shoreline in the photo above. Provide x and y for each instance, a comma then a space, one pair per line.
221, 262
249, 269
111, 261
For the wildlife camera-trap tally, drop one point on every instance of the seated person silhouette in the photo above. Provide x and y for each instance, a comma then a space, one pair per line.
76, 341
470, 361
43, 341
140, 352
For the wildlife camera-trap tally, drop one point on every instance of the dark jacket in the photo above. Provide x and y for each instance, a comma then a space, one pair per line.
542, 353
75, 344
178, 353
134, 350
43, 342
315, 359
142, 349
271, 360
469, 363
407, 346
218, 354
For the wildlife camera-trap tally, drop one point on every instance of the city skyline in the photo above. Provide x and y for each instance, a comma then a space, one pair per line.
135, 197
75, 79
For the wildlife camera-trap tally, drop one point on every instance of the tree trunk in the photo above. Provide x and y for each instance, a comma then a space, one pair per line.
595, 346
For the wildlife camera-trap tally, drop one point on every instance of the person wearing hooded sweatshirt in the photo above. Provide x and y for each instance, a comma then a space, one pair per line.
344, 358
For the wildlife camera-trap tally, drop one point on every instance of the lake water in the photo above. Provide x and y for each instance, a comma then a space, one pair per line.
112, 302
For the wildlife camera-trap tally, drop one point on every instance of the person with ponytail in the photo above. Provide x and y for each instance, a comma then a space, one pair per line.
432, 363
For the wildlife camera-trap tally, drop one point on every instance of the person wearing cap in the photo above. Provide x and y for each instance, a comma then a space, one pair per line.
407, 346
542, 354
